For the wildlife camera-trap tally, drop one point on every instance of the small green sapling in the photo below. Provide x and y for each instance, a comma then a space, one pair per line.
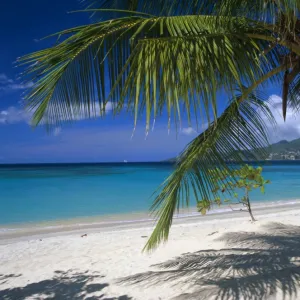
245, 179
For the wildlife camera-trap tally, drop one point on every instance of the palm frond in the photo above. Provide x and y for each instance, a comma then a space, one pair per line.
121, 11
294, 94
170, 61
240, 129
158, 7
264, 10
151, 55
70, 77
285, 94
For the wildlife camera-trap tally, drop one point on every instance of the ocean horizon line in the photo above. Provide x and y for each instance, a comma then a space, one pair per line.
141, 162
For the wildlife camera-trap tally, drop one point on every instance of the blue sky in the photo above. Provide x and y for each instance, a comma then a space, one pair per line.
22, 24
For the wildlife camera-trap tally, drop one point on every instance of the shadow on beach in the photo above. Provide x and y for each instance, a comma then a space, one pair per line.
64, 285
254, 266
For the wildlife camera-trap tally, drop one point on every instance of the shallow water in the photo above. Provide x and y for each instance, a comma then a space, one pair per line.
37, 193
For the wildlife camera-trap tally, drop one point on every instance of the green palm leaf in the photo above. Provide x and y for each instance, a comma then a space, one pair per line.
240, 129
151, 55
169, 60
266, 10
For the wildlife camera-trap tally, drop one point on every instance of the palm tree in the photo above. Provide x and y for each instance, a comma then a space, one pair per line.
146, 55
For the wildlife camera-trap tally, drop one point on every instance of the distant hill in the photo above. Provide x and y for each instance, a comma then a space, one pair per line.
284, 145
286, 150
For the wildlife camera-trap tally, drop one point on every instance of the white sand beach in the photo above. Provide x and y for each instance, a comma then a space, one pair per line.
214, 257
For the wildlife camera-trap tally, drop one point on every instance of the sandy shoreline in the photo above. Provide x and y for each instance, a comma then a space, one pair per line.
11, 233
228, 258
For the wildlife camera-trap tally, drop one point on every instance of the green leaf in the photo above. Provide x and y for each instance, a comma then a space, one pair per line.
210, 148
69, 78
173, 56
203, 211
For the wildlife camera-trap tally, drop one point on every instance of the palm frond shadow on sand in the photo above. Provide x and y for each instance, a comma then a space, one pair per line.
65, 285
254, 266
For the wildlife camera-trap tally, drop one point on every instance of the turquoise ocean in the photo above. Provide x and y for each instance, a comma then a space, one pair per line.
49, 192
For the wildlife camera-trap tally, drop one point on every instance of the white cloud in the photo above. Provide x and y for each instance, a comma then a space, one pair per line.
8, 84
4, 79
18, 86
108, 106
188, 131
288, 130
14, 115
94, 112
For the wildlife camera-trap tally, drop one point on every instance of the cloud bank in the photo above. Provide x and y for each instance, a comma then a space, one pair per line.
13, 114
8, 84
188, 131
288, 130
